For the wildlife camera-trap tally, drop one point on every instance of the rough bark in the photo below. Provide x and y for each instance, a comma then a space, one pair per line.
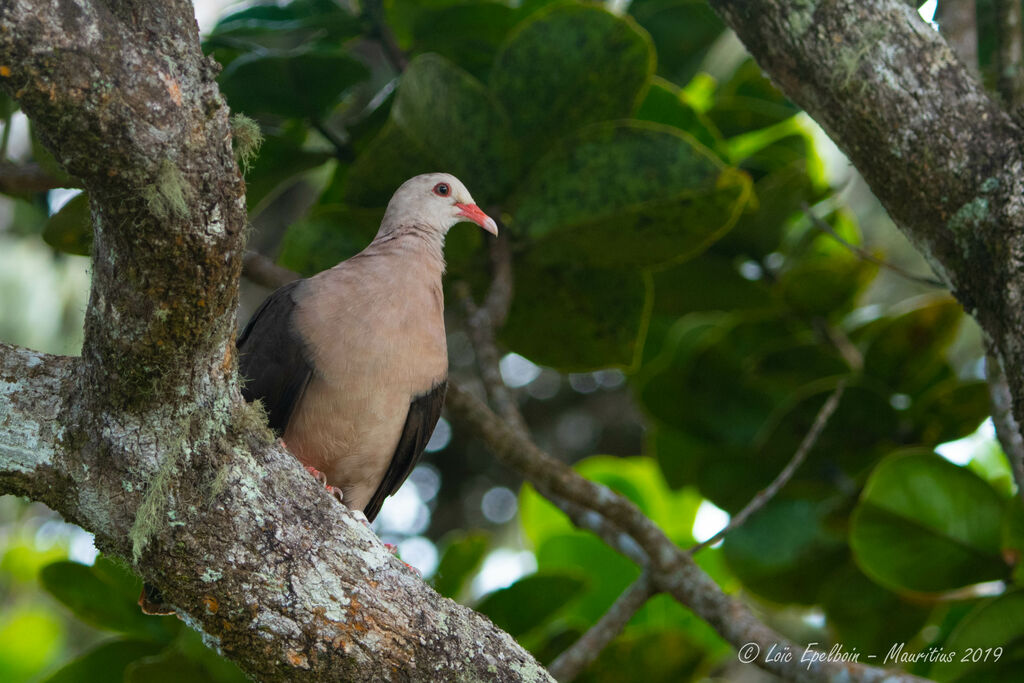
145, 440
941, 154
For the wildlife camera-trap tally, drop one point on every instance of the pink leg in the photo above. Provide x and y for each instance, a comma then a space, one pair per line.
322, 478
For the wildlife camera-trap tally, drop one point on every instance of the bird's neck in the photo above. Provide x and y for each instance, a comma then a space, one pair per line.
423, 244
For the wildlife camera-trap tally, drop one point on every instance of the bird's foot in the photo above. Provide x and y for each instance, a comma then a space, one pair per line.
322, 478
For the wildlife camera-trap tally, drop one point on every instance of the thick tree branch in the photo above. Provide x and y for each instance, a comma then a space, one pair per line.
942, 156
145, 440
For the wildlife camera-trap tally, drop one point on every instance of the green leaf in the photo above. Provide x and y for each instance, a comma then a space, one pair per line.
31, 639
187, 658
950, 410
70, 229
530, 601
708, 283
749, 101
626, 195
576, 318
455, 121
923, 524
995, 623
567, 66
328, 235
908, 352
854, 606
303, 83
462, 555
683, 32
390, 159
272, 26
106, 662
468, 34
785, 551
104, 597
665, 104
281, 160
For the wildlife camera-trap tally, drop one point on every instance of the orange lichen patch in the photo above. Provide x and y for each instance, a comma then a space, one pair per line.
173, 88
229, 354
211, 604
5, 70
297, 659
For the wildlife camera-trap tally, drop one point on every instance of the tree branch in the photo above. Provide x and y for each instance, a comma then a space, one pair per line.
28, 178
783, 477
942, 156
623, 526
584, 651
1007, 430
145, 440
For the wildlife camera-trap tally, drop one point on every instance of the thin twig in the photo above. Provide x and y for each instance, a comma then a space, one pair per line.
262, 271
481, 323
1007, 429
394, 53
584, 651
769, 492
26, 178
866, 255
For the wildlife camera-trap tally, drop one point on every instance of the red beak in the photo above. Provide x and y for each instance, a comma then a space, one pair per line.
473, 213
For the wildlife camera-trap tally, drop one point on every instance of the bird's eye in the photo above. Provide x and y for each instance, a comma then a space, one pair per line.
442, 190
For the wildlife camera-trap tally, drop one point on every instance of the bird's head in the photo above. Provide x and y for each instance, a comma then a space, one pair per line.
437, 201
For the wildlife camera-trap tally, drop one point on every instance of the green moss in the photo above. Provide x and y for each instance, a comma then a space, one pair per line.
801, 16
155, 505
247, 138
970, 216
165, 196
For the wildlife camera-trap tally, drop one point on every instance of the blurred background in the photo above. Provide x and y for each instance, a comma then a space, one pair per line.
729, 358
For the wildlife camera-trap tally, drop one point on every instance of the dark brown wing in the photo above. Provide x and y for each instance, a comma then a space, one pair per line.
424, 412
272, 359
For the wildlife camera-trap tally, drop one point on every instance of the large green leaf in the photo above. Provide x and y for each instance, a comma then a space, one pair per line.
105, 596
907, 352
302, 83
276, 26
469, 34
462, 555
664, 103
854, 604
749, 101
70, 229
567, 66
106, 662
708, 283
924, 524
531, 601
390, 159
328, 235
454, 120
682, 30
280, 161
785, 551
996, 623
626, 195
187, 658
576, 318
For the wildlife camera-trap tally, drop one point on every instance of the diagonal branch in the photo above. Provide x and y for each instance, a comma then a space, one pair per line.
623, 526
584, 651
783, 477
